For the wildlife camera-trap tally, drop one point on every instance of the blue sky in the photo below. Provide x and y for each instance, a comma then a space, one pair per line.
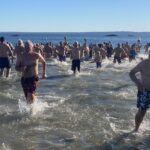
74, 15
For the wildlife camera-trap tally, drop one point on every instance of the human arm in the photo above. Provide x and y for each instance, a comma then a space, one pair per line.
134, 78
42, 60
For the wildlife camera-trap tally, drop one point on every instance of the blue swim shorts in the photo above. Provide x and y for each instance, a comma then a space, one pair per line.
143, 99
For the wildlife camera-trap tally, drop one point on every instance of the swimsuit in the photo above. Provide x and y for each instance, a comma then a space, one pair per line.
76, 64
5, 63
143, 99
29, 84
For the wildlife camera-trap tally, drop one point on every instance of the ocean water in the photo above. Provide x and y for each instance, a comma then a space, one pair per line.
92, 37
91, 111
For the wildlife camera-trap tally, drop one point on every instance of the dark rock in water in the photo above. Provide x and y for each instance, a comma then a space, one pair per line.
111, 35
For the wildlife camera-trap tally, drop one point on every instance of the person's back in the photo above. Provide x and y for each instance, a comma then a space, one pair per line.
102, 50
144, 68
98, 59
5, 52
75, 53
75, 56
118, 51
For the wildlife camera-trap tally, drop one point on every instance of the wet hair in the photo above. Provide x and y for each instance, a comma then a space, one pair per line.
2, 39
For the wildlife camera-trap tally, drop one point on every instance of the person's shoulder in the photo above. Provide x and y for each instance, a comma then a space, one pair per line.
6, 44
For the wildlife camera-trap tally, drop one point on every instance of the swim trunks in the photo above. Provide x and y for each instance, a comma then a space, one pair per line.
29, 85
118, 59
5, 63
143, 99
76, 64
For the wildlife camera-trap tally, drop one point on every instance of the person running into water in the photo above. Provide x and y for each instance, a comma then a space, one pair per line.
62, 52
75, 56
143, 86
132, 53
29, 68
118, 53
98, 59
19, 50
5, 52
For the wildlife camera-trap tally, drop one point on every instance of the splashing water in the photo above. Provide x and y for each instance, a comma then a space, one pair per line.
36, 108
4, 147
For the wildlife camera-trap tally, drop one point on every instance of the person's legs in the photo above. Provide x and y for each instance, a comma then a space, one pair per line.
30, 98
2, 72
78, 65
143, 101
114, 61
29, 87
74, 66
139, 118
7, 65
8, 72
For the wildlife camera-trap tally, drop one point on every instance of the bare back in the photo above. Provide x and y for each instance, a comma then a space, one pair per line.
144, 69
5, 50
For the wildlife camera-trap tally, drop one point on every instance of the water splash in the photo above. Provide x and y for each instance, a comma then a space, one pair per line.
4, 147
36, 108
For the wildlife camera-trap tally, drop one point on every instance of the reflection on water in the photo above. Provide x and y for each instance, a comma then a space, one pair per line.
94, 111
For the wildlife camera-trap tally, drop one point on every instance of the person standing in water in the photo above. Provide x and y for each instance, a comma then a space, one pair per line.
18, 52
98, 59
143, 86
5, 52
75, 56
29, 67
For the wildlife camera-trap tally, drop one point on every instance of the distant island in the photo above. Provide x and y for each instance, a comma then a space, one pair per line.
130, 35
111, 35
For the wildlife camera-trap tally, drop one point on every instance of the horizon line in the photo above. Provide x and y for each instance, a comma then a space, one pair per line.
68, 31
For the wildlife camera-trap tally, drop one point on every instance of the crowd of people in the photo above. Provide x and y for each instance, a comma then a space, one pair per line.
28, 55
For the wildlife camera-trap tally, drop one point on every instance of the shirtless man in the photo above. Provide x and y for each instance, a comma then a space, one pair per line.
102, 50
30, 77
19, 50
118, 53
5, 52
98, 59
62, 52
48, 51
75, 56
143, 86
